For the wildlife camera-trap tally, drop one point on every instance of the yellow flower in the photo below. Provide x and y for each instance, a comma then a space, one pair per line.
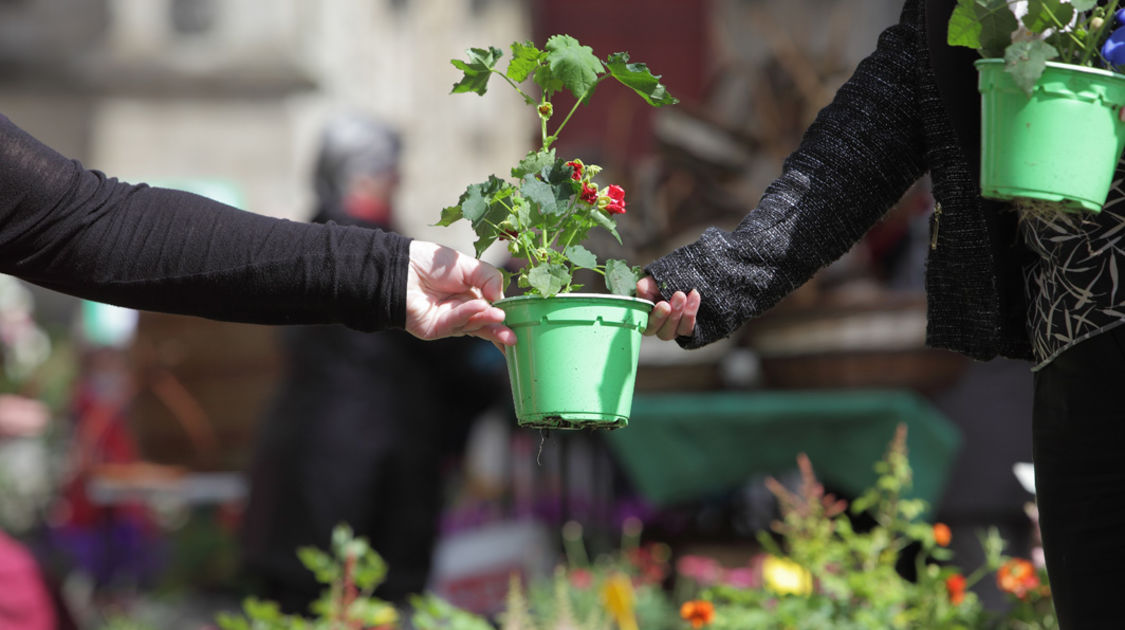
785, 577
617, 594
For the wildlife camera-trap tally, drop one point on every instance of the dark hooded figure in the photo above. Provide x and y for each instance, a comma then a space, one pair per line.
361, 423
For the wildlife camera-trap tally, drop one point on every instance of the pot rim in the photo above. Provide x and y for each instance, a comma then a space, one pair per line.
991, 61
608, 296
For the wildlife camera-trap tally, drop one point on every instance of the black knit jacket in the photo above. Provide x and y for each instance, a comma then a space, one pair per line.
79, 232
912, 106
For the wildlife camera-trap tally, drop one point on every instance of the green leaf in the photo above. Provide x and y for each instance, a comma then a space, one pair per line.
370, 570
473, 202
319, 563
620, 278
573, 64
581, 257
450, 215
638, 77
261, 610
548, 279
997, 23
547, 81
227, 621
540, 194
477, 70
558, 172
577, 227
1040, 13
525, 58
371, 612
480, 202
964, 30
533, 162
507, 278
1083, 5
432, 613
603, 220
1025, 61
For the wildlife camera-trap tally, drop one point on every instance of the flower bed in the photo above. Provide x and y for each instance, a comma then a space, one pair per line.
818, 570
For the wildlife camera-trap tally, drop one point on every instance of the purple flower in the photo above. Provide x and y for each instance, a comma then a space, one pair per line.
1114, 47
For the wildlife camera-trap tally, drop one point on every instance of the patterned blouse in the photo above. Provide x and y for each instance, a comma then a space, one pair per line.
1074, 285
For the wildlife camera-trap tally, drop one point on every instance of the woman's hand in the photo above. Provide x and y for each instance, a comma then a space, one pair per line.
449, 294
670, 318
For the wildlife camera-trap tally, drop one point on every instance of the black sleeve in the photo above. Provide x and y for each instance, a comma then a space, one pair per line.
78, 232
855, 161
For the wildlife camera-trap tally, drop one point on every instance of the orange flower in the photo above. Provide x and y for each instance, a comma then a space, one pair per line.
942, 534
1018, 577
955, 584
699, 612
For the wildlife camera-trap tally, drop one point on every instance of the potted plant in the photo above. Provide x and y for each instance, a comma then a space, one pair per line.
1051, 107
575, 359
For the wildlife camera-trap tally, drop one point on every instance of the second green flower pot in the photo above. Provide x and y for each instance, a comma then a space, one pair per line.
574, 364
1061, 144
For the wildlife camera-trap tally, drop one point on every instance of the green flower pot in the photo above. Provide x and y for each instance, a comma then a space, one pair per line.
1061, 145
575, 359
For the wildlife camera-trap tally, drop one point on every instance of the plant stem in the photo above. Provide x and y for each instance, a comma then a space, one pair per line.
1111, 8
543, 130
526, 98
1062, 29
562, 223
577, 102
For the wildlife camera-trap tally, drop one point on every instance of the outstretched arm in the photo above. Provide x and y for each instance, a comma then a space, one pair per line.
855, 161
79, 232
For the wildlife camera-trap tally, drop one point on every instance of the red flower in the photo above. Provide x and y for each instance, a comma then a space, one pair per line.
1018, 577
577, 166
955, 584
616, 196
589, 194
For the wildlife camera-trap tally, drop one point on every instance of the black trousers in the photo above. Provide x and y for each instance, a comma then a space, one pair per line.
1078, 437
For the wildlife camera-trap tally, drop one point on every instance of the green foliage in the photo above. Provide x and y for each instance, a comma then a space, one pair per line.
525, 59
638, 77
1027, 60
350, 574
574, 65
854, 580
577, 596
1069, 32
547, 212
433, 613
477, 70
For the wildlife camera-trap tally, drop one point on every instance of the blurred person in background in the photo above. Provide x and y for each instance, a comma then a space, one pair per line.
25, 602
360, 424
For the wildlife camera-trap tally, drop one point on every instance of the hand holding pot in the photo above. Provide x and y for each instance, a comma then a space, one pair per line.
670, 318
449, 294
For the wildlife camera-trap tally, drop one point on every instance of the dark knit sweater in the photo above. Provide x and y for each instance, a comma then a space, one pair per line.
911, 106
76, 231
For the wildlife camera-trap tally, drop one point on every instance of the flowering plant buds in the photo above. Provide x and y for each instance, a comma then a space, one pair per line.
551, 203
1029, 34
